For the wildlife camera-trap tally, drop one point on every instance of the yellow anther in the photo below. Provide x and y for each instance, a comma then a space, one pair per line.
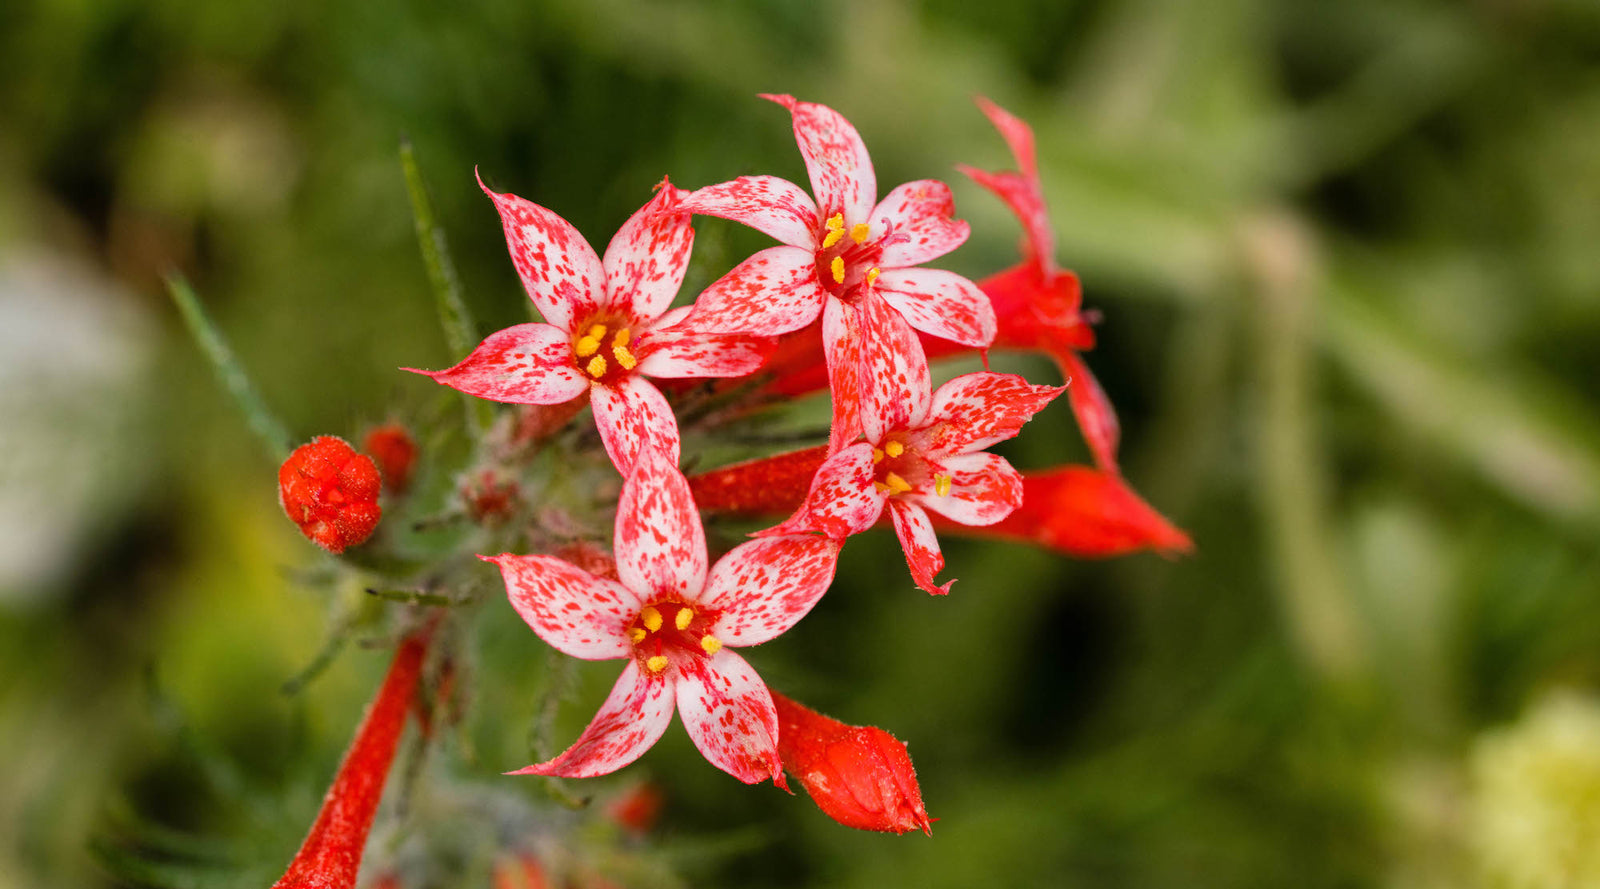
872, 275
836, 222
877, 456
624, 357
637, 634
894, 449
596, 367
598, 331
622, 337
586, 347
651, 618
833, 237
897, 485
941, 485
657, 663
883, 488
859, 232
684, 616
838, 269
710, 644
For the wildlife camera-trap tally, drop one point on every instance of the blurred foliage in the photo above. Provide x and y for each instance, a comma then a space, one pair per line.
1344, 251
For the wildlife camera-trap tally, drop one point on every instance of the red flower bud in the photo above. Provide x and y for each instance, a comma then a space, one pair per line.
638, 808
521, 871
391, 445
331, 492
860, 776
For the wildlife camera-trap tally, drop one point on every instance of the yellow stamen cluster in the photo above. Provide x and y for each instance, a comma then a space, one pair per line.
637, 634
588, 346
835, 225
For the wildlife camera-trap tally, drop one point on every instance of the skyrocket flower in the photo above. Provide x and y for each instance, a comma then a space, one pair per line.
859, 775
606, 326
923, 451
331, 492
831, 245
676, 624
1084, 512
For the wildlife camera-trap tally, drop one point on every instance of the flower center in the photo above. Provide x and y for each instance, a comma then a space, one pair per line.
602, 350
899, 467
845, 257
668, 633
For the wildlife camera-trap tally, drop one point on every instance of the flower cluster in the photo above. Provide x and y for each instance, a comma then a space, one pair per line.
843, 303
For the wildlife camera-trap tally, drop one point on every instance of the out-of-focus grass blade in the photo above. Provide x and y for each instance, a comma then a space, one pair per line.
460, 333
230, 373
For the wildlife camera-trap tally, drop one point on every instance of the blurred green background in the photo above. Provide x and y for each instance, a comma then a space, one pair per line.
1347, 255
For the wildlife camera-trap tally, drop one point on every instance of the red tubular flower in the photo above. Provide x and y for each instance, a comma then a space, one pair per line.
766, 486
391, 446
676, 622
607, 325
860, 776
331, 492
331, 855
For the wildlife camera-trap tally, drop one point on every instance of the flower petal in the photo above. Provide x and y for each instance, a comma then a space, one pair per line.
765, 586
1020, 190
558, 268
569, 608
660, 543
837, 161
983, 489
841, 349
729, 714
912, 526
631, 720
773, 292
916, 224
941, 303
646, 259
976, 410
842, 499
1096, 417
770, 205
676, 353
630, 413
523, 364
897, 390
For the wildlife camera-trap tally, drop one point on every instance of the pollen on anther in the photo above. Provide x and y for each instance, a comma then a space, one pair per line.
833, 237
624, 357
596, 366
710, 644
837, 266
651, 618
894, 449
896, 484
941, 485
657, 663
684, 616
877, 455
622, 337
859, 232
872, 274
637, 634
836, 222
586, 347
598, 331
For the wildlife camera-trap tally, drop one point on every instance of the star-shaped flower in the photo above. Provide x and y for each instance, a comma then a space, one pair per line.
676, 624
830, 246
606, 326
923, 451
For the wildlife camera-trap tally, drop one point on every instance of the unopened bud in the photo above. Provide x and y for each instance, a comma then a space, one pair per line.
331, 492
860, 776
391, 446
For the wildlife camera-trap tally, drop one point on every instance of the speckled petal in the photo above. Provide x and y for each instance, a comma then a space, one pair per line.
660, 544
916, 535
675, 353
1096, 417
729, 714
976, 410
631, 720
842, 499
841, 349
773, 292
895, 371
630, 412
558, 268
983, 489
1020, 190
940, 303
915, 223
770, 205
523, 364
646, 259
765, 586
572, 610
837, 161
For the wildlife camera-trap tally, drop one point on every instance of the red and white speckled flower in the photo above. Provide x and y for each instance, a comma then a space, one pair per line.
676, 623
830, 246
923, 450
606, 326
